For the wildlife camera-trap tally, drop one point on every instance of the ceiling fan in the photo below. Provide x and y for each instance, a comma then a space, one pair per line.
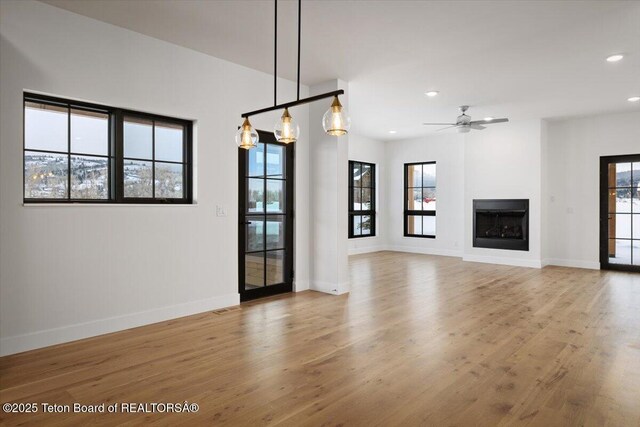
464, 124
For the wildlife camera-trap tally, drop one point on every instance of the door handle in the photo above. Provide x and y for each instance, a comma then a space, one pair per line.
245, 223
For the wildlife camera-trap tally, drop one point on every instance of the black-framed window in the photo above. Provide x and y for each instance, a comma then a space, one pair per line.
362, 199
76, 152
420, 199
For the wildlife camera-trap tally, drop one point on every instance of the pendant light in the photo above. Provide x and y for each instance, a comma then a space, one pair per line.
246, 137
286, 129
336, 121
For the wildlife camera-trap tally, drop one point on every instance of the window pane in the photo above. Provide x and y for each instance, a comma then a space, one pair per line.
357, 174
254, 271
169, 142
623, 174
636, 178
366, 198
622, 254
366, 175
414, 176
255, 195
429, 175
636, 226
255, 233
621, 202
138, 138
357, 199
636, 252
256, 160
429, 199
89, 177
137, 179
357, 225
46, 127
89, 133
365, 225
414, 224
275, 161
169, 177
275, 232
623, 226
275, 267
45, 175
415, 199
275, 195
429, 225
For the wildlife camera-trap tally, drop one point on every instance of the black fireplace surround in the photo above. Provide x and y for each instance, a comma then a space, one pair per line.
501, 224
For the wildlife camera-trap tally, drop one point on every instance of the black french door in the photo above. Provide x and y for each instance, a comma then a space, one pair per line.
620, 212
265, 232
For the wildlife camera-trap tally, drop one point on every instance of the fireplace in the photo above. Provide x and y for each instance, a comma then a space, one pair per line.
501, 224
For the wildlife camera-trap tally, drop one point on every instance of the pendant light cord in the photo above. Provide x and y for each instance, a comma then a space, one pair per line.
275, 54
299, 25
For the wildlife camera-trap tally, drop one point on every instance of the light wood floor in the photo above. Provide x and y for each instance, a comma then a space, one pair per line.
420, 340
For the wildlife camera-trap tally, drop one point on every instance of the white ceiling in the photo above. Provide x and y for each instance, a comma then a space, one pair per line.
516, 59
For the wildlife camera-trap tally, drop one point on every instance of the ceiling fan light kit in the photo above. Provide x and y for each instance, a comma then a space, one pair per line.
464, 124
335, 122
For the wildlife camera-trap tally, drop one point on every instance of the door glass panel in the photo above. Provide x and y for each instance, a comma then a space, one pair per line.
623, 226
620, 200
138, 138
255, 233
275, 161
636, 252
622, 254
275, 267
256, 160
429, 199
636, 177
623, 174
636, 226
275, 195
275, 232
254, 270
255, 195
414, 224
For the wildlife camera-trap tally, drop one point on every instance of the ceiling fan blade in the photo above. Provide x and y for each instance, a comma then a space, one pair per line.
476, 126
448, 127
438, 124
485, 122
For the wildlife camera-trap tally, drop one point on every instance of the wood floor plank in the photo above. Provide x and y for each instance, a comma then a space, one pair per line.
420, 340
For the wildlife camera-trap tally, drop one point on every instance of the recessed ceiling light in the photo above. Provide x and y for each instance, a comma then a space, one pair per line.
432, 93
634, 99
392, 131
615, 58
488, 119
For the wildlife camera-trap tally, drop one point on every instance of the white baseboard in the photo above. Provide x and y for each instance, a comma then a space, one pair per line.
330, 288
300, 286
572, 263
20, 343
366, 250
425, 251
531, 263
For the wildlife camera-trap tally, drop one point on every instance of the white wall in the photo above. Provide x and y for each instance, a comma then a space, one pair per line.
574, 150
504, 162
448, 153
368, 150
67, 272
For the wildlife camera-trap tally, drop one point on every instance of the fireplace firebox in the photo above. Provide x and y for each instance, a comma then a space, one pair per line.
501, 224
